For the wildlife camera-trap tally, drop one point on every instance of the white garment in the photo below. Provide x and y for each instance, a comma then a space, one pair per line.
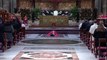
93, 28
80, 25
55, 13
23, 25
43, 14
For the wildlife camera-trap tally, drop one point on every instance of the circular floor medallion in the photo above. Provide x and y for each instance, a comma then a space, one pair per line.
51, 41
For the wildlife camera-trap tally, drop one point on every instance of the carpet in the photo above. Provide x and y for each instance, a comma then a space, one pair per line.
47, 55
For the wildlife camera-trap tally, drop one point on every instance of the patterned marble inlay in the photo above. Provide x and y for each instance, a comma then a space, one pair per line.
47, 55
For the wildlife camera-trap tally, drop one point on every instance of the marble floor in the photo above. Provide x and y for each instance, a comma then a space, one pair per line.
81, 50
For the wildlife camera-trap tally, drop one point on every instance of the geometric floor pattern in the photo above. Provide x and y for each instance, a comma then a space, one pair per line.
51, 41
47, 55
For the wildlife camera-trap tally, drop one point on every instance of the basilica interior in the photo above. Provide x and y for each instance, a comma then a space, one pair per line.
53, 29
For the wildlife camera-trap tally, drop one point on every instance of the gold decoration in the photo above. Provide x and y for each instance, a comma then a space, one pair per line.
86, 4
58, 20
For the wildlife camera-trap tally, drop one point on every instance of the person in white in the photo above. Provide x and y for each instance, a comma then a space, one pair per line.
93, 28
91, 31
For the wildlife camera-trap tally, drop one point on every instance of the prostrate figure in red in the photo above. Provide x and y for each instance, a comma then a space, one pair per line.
53, 34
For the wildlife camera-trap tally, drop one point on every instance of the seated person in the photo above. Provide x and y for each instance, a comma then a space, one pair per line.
1, 32
100, 32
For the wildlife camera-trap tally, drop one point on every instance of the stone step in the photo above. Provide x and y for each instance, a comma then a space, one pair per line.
70, 30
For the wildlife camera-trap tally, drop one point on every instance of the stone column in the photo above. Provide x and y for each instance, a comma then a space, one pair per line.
104, 7
33, 3
78, 5
93, 4
6, 4
98, 5
13, 5
1, 3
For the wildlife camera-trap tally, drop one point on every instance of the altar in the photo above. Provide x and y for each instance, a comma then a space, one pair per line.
54, 21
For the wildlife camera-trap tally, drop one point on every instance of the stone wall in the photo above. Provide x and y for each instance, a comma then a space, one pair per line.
50, 6
86, 4
66, 6
25, 4
50, 21
44, 5
61, 6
